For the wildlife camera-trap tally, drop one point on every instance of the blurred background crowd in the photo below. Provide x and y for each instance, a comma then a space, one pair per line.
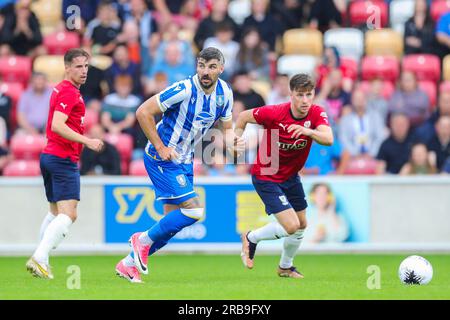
382, 70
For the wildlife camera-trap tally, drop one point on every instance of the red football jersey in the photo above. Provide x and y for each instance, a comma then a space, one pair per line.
67, 99
280, 156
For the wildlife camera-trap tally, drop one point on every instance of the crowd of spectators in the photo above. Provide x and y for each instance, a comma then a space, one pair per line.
152, 44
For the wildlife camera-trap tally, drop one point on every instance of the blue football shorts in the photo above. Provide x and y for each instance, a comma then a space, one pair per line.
61, 178
173, 183
278, 197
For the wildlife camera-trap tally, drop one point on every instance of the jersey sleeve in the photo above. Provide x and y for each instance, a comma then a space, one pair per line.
66, 100
321, 117
171, 96
263, 115
227, 111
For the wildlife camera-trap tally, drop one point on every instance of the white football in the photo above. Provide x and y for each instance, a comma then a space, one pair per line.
415, 270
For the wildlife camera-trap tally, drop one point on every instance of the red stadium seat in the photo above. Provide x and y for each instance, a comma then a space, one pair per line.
424, 66
14, 91
15, 69
91, 118
387, 90
351, 66
361, 165
60, 42
383, 67
137, 168
124, 144
438, 8
361, 12
27, 146
22, 168
430, 89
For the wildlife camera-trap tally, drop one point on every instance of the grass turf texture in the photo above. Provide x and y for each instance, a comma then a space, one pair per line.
222, 277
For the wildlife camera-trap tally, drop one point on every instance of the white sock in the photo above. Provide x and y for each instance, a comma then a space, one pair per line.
270, 231
128, 261
48, 218
290, 247
53, 235
145, 239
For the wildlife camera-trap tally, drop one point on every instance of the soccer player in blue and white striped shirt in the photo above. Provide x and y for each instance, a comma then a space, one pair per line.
189, 108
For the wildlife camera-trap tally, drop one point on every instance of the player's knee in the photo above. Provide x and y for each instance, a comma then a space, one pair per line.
292, 227
303, 225
192, 203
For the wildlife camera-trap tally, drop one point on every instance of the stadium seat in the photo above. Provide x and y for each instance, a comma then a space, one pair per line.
101, 61
400, 11
361, 166
91, 118
303, 41
352, 67
238, 10
124, 144
348, 41
387, 90
52, 66
361, 13
15, 69
27, 146
429, 87
49, 14
383, 67
293, 64
446, 68
60, 42
384, 42
137, 168
424, 66
438, 8
14, 91
22, 168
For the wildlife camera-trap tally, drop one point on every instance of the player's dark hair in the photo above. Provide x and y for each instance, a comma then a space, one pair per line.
211, 53
74, 53
301, 82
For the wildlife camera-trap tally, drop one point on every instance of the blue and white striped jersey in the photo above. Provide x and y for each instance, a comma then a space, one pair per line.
188, 113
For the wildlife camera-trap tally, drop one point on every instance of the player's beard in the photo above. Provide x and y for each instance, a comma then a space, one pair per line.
207, 86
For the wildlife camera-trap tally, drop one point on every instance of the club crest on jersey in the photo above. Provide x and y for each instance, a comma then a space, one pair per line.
181, 179
297, 145
307, 124
220, 100
203, 120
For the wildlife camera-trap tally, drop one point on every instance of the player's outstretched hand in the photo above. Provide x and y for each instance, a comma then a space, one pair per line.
95, 144
166, 154
298, 130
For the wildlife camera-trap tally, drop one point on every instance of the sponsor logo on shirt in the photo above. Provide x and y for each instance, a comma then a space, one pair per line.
297, 145
203, 120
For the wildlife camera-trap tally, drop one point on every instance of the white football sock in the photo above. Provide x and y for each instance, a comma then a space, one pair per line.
128, 261
290, 247
53, 235
48, 218
145, 239
270, 231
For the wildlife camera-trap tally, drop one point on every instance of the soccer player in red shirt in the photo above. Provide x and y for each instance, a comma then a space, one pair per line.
290, 129
59, 159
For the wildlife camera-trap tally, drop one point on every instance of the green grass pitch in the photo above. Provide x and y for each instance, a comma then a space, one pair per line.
223, 277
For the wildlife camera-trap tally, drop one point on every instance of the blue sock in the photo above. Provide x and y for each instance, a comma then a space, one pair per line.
169, 226
161, 232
